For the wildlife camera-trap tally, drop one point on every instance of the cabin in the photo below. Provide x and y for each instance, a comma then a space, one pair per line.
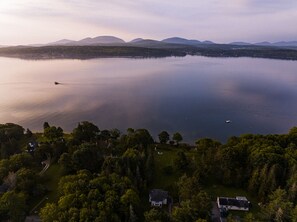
237, 203
158, 197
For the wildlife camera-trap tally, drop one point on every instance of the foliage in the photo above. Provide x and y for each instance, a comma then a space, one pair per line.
146, 51
13, 206
163, 137
195, 203
53, 133
279, 208
100, 198
10, 137
177, 137
156, 215
85, 132
108, 174
181, 162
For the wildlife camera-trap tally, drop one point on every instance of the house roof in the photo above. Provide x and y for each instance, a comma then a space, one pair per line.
238, 202
3, 188
158, 195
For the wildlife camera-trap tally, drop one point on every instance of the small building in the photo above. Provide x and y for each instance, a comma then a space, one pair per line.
32, 146
237, 203
158, 197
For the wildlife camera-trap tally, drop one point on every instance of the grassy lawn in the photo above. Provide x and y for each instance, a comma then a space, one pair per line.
52, 177
164, 157
54, 174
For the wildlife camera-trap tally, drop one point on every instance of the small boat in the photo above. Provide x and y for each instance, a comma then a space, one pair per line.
228, 121
57, 83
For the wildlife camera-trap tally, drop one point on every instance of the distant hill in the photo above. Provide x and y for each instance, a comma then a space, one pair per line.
263, 43
151, 43
146, 42
178, 40
136, 40
183, 41
61, 42
208, 42
291, 43
279, 44
100, 40
239, 43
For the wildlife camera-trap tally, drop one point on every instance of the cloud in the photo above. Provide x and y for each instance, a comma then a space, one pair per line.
222, 21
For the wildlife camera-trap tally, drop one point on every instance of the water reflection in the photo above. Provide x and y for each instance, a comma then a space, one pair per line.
192, 95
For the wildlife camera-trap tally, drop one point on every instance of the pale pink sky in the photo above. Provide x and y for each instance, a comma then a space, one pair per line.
43, 21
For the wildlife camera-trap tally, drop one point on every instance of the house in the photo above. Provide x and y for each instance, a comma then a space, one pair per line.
158, 197
32, 146
237, 203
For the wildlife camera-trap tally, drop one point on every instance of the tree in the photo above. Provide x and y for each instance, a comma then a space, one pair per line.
29, 133
163, 137
294, 214
177, 137
115, 133
87, 157
187, 186
53, 133
49, 213
13, 206
156, 215
140, 138
181, 162
45, 125
183, 213
104, 135
26, 181
130, 197
201, 203
279, 208
18, 161
85, 131
249, 217
9, 131
66, 162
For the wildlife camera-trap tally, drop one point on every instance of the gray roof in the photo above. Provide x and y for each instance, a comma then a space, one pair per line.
3, 188
158, 195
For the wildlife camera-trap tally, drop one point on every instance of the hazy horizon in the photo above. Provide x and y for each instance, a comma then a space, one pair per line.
39, 22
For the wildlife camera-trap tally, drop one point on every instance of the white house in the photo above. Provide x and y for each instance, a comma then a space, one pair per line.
158, 197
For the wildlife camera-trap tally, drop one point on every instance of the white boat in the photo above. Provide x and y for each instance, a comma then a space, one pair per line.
228, 121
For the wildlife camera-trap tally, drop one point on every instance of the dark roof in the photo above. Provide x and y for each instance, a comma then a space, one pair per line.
224, 201
3, 188
158, 195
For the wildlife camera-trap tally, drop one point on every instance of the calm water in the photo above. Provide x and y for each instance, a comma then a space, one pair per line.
192, 95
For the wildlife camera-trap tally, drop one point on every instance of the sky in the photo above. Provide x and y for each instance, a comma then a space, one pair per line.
221, 21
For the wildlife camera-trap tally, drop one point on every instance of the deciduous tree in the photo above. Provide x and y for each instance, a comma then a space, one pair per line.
163, 137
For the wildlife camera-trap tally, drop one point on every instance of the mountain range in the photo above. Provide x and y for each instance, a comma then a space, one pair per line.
112, 40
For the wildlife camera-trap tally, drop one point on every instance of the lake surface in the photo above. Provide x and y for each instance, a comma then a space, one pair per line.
191, 95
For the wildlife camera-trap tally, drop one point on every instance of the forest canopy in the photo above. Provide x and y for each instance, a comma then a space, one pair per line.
94, 174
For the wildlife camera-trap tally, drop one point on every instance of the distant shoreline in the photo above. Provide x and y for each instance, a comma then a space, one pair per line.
174, 50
